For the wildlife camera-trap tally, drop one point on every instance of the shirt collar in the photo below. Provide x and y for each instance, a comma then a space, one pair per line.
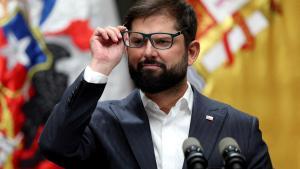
186, 100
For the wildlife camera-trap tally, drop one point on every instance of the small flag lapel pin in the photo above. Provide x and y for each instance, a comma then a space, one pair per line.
209, 118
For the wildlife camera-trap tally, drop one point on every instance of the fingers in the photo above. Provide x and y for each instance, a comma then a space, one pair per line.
110, 33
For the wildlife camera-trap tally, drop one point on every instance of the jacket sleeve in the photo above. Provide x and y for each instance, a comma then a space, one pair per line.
66, 138
257, 156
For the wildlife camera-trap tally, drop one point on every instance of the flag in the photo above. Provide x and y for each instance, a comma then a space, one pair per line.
255, 67
224, 29
22, 54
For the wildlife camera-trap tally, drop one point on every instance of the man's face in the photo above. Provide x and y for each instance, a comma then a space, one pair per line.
154, 70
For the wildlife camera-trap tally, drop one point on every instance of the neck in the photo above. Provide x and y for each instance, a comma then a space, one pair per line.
168, 98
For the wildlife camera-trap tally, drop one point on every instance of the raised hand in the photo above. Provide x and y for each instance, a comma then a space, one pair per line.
106, 48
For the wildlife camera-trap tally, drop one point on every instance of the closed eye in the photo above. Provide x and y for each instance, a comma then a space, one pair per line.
162, 41
136, 41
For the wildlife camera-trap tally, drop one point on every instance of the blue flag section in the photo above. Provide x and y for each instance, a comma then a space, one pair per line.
47, 8
16, 30
19, 28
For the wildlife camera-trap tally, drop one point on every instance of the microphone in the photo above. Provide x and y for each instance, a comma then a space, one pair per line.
231, 153
193, 154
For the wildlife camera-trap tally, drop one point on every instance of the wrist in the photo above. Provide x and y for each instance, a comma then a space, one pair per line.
100, 67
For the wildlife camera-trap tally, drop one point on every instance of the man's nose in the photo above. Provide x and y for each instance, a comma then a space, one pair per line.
149, 49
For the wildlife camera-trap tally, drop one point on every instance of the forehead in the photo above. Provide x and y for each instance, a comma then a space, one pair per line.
154, 23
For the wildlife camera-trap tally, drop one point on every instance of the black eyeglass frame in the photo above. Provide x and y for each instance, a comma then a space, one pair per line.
148, 36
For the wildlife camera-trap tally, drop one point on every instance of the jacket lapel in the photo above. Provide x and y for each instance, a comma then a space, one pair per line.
135, 124
206, 130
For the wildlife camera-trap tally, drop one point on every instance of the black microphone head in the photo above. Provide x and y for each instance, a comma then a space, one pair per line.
191, 141
231, 153
193, 154
226, 142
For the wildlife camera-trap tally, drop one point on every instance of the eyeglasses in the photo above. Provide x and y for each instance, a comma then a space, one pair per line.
158, 40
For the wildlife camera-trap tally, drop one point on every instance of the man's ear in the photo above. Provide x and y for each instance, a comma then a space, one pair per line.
193, 51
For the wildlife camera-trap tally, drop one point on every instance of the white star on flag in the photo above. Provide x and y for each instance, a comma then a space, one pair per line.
15, 51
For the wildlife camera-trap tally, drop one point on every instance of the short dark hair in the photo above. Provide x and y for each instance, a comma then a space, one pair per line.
184, 14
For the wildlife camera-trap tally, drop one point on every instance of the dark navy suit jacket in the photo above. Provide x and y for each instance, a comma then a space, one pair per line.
84, 133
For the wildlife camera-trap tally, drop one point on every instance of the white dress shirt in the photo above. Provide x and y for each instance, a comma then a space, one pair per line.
168, 131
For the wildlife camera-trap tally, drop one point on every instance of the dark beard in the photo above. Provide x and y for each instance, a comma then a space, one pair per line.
151, 82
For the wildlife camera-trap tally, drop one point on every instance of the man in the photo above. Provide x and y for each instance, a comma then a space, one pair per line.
146, 130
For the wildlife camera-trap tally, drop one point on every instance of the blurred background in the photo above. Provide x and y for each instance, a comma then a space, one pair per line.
249, 59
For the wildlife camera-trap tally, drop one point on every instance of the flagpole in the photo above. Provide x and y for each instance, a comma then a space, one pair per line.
5, 9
